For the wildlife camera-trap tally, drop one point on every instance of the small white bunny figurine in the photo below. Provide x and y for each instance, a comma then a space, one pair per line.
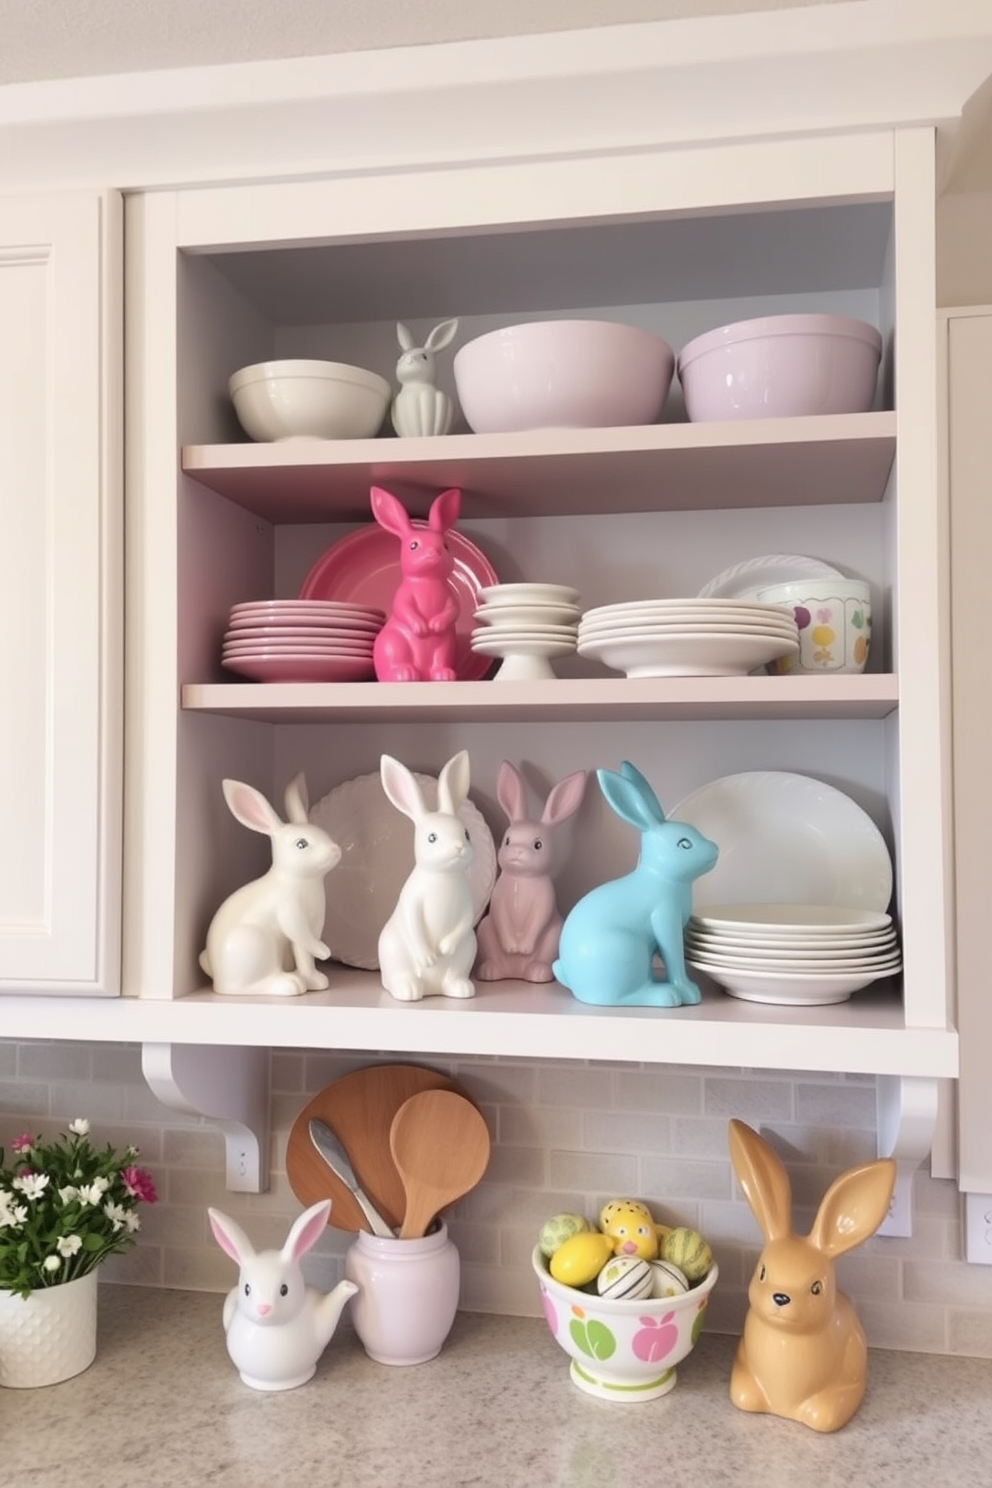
277, 1327
427, 945
419, 407
264, 937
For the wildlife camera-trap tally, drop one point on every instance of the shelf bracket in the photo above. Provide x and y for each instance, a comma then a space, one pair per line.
906, 1120
230, 1086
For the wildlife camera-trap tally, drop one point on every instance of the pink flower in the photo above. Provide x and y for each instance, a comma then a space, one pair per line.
139, 1183
23, 1143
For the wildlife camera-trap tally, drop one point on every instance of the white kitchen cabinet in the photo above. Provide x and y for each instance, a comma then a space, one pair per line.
61, 569
966, 347
677, 240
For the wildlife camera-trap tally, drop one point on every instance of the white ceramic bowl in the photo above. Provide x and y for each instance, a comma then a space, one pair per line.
834, 621
301, 399
512, 594
563, 374
622, 1350
781, 366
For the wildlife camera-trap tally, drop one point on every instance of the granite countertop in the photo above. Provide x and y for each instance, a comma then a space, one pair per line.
163, 1406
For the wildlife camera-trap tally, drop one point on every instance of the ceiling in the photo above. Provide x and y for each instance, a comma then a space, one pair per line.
43, 39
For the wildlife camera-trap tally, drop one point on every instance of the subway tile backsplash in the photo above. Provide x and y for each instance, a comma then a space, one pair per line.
565, 1137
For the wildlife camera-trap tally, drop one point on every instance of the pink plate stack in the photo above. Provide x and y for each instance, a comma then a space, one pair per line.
301, 640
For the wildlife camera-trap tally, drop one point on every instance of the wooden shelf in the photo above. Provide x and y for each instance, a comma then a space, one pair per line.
866, 1035
771, 462
868, 695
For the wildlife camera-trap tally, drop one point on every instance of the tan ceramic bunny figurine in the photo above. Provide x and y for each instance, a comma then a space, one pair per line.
802, 1354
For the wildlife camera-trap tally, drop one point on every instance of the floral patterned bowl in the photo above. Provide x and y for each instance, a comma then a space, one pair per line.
624, 1350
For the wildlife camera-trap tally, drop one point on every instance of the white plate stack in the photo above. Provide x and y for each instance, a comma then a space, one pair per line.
301, 640
792, 953
527, 625
687, 637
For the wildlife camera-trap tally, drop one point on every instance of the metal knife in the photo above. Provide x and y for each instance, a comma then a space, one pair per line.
331, 1149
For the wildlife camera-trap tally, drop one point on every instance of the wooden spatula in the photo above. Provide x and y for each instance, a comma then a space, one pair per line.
440, 1145
359, 1108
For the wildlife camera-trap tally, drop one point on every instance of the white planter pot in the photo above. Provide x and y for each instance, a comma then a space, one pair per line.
49, 1336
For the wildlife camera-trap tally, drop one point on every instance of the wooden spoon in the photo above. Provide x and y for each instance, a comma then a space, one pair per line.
440, 1145
359, 1108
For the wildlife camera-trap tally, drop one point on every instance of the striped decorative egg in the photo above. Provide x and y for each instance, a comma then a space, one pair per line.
667, 1280
626, 1276
688, 1250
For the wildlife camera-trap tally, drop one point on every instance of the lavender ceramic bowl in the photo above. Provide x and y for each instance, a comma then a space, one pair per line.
563, 374
781, 366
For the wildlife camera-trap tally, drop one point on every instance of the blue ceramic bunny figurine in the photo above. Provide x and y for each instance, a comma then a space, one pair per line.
609, 940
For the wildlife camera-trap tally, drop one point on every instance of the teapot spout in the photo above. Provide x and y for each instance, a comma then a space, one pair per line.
330, 1308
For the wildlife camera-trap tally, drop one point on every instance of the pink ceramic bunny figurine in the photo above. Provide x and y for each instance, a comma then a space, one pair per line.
418, 641
519, 935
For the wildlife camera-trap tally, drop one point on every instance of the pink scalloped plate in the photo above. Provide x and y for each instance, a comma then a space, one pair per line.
364, 568
303, 668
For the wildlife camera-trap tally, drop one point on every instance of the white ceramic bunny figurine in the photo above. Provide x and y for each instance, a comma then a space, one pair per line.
419, 407
519, 935
610, 938
802, 1354
277, 1326
264, 937
428, 945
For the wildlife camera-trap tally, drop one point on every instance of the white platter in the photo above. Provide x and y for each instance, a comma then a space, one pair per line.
874, 965
376, 844
744, 951
650, 654
797, 839
666, 628
787, 988
744, 580
793, 918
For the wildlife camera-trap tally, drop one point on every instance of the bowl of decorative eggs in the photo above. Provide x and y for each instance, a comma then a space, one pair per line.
625, 1298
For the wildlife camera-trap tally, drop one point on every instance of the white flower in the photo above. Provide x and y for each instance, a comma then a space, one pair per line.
69, 1245
80, 1127
51, 1263
117, 1215
93, 1192
11, 1215
131, 1222
68, 1194
32, 1185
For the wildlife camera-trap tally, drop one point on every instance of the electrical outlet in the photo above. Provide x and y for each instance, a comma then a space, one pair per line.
898, 1223
978, 1229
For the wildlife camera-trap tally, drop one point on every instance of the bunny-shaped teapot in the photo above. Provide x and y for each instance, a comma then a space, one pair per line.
277, 1327
419, 407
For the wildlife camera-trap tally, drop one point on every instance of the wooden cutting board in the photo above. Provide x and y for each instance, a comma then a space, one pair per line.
360, 1108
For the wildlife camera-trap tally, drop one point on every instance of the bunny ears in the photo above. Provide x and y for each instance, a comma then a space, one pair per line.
403, 789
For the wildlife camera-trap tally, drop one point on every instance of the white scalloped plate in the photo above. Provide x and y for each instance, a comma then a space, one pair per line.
744, 580
376, 843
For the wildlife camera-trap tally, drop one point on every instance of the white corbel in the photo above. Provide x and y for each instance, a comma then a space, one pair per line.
230, 1086
906, 1120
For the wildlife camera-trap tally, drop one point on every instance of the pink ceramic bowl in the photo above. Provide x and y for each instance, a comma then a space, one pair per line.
781, 366
563, 374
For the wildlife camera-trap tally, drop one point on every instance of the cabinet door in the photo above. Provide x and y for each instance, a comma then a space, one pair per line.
969, 459
60, 593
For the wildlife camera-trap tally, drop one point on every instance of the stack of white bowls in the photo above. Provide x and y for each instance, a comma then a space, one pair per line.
527, 625
301, 640
687, 637
792, 953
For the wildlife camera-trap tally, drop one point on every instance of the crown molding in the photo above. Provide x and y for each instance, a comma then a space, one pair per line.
853, 66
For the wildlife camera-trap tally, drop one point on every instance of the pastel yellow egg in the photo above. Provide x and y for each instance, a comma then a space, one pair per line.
580, 1258
631, 1228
